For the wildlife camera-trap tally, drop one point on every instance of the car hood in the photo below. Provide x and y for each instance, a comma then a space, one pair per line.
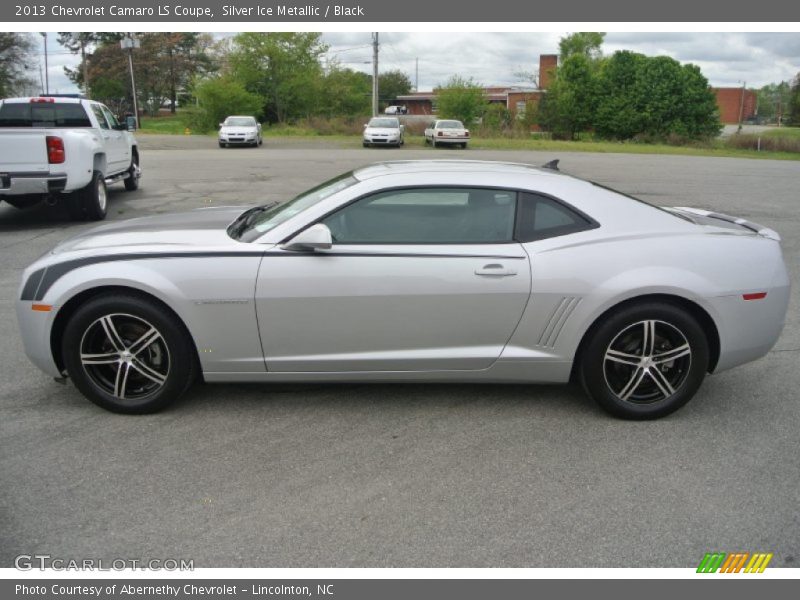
382, 130
199, 227
238, 130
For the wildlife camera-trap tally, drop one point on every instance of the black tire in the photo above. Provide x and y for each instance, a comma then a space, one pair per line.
635, 363
132, 181
223, 145
91, 202
365, 144
24, 201
155, 373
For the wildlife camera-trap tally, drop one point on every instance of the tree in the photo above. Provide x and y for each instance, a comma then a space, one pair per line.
569, 105
586, 43
794, 102
283, 68
774, 100
79, 42
16, 61
164, 66
653, 96
346, 93
220, 97
393, 84
461, 99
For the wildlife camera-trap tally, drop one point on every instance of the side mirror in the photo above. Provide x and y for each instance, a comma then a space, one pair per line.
366, 125
222, 124
316, 237
130, 123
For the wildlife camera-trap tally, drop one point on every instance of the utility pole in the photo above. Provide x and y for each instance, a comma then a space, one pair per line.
416, 76
741, 105
129, 43
375, 74
46, 75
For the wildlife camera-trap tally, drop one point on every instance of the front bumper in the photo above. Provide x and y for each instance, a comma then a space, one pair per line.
35, 328
238, 140
386, 141
18, 184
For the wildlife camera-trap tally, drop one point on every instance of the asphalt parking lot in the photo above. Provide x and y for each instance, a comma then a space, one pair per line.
401, 475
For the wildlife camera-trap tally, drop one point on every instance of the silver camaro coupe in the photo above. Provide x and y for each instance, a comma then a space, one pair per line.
412, 271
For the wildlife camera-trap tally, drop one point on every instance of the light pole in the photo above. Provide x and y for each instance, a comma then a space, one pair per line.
129, 43
46, 76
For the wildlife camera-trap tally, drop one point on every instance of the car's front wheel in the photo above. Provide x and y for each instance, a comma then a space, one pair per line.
645, 361
127, 354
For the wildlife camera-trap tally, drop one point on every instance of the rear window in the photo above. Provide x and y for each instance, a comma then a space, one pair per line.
43, 114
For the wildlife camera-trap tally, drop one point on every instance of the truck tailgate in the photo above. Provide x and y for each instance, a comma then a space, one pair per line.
23, 150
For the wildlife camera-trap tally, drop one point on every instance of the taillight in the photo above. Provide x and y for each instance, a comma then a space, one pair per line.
55, 150
441, 133
466, 133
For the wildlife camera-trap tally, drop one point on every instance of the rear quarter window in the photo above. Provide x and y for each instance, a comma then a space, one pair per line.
43, 114
540, 217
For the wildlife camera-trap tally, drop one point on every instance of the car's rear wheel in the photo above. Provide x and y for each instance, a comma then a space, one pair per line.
91, 202
128, 354
645, 361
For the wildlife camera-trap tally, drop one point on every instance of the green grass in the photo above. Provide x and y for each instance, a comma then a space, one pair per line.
169, 125
176, 125
784, 132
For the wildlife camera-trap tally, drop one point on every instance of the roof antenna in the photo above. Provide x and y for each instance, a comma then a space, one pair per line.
553, 165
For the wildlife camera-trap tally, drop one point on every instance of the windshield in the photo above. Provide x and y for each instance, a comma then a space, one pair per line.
272, 216
240, 122
450, 125
390, 123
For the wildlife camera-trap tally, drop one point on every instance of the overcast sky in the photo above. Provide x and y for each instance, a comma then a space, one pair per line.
726, 59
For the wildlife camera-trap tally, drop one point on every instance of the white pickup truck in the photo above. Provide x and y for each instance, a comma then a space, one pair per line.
68, 149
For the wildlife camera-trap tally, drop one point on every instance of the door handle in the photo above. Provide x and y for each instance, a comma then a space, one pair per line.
495, 270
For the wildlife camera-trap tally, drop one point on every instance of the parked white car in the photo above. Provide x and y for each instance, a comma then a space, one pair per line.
383, 131
395, 110
447, 131
240, 131
54, 148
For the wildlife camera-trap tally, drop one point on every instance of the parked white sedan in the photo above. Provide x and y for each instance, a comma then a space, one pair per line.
240, 131
383, 131
447, 131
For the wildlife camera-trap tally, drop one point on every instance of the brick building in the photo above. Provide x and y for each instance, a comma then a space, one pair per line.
731, 101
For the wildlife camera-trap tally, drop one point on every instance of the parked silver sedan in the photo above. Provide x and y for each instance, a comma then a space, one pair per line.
240, 131
412, 271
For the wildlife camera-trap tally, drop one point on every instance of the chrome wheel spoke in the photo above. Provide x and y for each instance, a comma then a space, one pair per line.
661, 381
121, 380
672, 354
648, 338
112, 334
633, 383
100, 359
623, 357
144, 341
147, 371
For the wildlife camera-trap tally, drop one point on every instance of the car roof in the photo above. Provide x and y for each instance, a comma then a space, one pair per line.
401, 167
27, 99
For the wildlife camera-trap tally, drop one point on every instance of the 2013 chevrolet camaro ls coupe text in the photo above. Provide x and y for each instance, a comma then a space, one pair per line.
412, 271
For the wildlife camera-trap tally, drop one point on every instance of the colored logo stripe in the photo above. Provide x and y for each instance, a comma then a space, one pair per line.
734, 562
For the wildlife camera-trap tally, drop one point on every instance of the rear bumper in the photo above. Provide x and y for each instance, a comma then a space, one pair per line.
748, 329
18, 184
451, 140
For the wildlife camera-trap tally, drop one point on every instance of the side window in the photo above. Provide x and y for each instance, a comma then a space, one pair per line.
543, 217
98, 113
427, 216
112, 120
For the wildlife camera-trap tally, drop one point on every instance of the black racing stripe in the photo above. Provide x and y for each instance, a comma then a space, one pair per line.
32, 284
55, 272
49, 275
